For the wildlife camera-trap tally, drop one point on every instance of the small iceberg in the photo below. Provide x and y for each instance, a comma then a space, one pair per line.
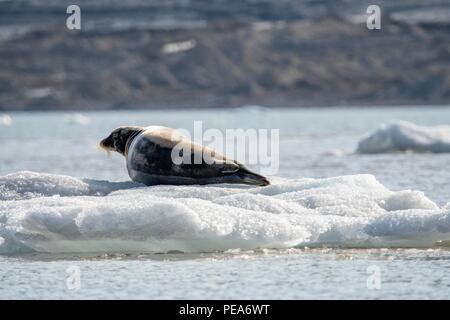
59, 214
78, 119
402, 136
5, 120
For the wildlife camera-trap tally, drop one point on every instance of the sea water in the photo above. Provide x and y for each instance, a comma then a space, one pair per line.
331, 221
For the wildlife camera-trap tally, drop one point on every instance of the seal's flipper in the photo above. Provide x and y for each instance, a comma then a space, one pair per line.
224, 166
249, 177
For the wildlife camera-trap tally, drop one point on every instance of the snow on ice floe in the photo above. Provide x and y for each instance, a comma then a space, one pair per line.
52, 213
27, 185
398, 136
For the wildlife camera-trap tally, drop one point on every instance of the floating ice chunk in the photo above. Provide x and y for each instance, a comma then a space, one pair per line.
77, 118
52, 213
334, 153
399, 136
5, 120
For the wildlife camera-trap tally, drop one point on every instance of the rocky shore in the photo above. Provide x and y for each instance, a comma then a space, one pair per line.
137, 54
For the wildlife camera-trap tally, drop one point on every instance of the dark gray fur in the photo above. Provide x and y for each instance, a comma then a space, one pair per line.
149, 160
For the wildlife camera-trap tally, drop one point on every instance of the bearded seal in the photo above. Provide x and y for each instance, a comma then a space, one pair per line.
149, 153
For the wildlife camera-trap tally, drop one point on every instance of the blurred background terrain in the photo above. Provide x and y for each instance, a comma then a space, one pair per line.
222, 53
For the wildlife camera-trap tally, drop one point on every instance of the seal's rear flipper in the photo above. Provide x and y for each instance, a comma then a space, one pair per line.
252, 178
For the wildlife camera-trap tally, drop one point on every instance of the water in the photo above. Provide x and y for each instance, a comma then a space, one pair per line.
292, 274
313, 143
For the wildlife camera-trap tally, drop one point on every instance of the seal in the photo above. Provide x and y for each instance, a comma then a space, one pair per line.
153, 157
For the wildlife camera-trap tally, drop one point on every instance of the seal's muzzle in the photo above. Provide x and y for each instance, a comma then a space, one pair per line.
107, 144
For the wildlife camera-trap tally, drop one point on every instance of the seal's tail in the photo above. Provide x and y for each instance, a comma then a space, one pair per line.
248, 177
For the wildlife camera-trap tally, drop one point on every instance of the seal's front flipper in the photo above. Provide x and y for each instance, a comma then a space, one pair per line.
224, 166
239, 173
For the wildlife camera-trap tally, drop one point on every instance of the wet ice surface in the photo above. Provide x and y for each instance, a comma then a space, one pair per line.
314, 144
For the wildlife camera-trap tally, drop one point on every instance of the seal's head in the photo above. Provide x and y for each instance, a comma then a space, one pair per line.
120, 139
